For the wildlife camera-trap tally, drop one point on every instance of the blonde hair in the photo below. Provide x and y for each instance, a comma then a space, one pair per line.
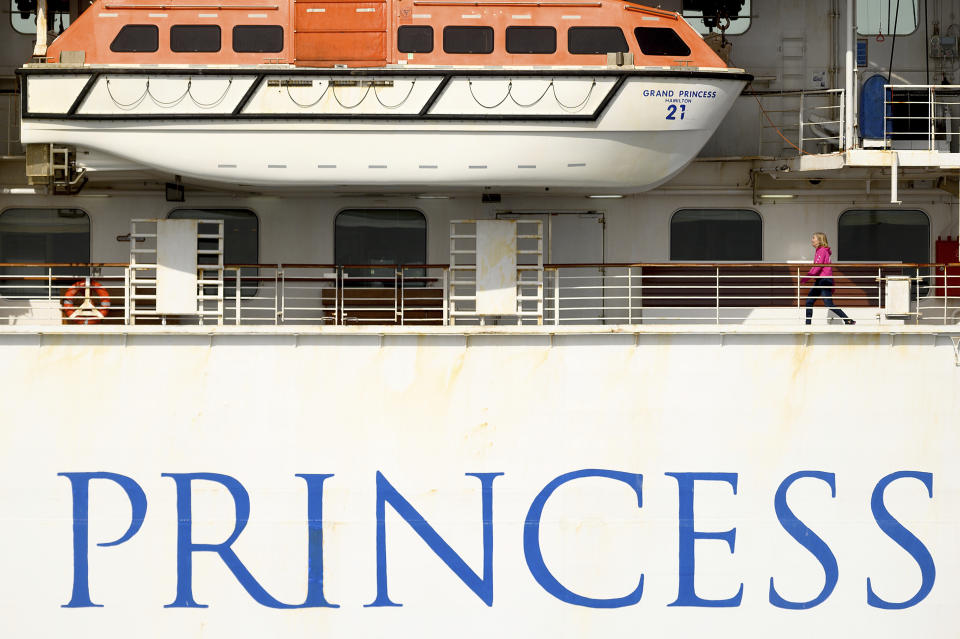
821, 239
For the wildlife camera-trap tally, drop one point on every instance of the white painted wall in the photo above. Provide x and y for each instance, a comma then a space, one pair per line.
424, 410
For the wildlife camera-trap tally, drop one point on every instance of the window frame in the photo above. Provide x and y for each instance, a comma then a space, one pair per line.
347, 209
530, 27
636, 36
928, 244
694, 18
233, 37
433, 37
51, 20
201, 26
8, 280
571, 29
246, 291
759, 217
469, 27
916, 25
156, 29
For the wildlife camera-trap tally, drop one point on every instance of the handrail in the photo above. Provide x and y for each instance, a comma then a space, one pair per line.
547, 265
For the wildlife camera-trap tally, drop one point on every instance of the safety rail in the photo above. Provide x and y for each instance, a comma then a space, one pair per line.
821, 121
922, 116
47, 294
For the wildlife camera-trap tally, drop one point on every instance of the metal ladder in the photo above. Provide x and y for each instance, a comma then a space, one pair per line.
141, 298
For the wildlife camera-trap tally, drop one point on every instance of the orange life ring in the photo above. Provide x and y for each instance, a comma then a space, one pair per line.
94, 302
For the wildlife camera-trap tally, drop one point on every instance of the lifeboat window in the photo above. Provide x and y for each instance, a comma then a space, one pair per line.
241, 244
137, 38
42, 236
883, 235
379, 237
716, 235
660, 41
195, 38
415, 39
531, 40
468, 39
255, 38
590, 40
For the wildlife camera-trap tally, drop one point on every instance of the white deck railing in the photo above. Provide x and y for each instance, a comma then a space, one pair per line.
418, 295
926, 115
821, 121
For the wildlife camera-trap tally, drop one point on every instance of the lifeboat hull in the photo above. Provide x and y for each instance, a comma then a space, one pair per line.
613, 129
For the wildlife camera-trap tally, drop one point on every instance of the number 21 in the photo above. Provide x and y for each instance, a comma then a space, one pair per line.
672, 111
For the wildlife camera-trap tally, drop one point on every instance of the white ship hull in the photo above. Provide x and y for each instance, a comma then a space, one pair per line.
424, 411
628, 131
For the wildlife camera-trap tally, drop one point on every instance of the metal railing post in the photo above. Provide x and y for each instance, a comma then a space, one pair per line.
237, 298
931, 118
800, 123
556, 297
446, 296
718, 294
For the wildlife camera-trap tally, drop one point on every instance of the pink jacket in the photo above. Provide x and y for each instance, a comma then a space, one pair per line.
822, 257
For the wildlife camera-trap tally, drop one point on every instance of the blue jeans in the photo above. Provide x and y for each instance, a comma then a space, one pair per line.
823, 287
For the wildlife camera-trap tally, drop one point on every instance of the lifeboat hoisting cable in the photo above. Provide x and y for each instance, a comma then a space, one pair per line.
94, 302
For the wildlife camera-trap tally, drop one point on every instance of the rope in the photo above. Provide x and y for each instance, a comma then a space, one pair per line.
365, 94
777, 129
131, 105
210, 105
388, 106
510, 93
164, 104
314, 103
509, 88
583, 102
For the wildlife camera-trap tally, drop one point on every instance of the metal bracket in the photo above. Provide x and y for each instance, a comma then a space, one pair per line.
956, 350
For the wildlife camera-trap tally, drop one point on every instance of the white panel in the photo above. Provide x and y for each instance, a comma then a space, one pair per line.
53, 94
176, 267
897, 295
496, 267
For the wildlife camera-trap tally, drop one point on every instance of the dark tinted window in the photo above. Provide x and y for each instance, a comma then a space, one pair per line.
893, 235
380, 236
531, 40
415, 39
241, 244
258, 38
584, 40
716, 235
197, 38
660, 41
42, 235
135, 38
467, 39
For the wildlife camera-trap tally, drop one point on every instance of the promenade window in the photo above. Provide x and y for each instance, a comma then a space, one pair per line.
883, 235
716, 235
23, 16
257, 38
42, 236
694, 18
195, 38
887, 17
591, 40
531, 40
660, 41
415, 39
137, 38
380, 237
468, 39
241, 243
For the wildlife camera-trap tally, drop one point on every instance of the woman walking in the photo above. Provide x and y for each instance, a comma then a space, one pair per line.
823, 279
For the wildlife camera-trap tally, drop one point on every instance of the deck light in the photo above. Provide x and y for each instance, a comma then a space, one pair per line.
611, 196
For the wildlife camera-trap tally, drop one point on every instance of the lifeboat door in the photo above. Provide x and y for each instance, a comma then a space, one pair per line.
575, 237
348, 33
